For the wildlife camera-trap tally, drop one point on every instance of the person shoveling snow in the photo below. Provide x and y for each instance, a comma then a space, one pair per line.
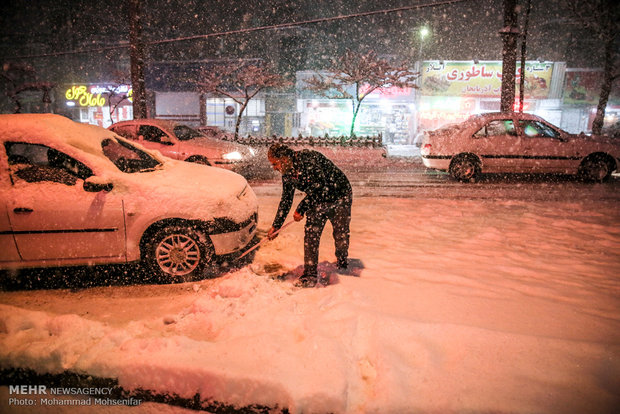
328, 197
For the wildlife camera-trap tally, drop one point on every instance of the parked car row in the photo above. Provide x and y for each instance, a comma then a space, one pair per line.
78, 194
517, 143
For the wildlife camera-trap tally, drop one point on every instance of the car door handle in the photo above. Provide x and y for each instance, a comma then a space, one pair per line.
22, 210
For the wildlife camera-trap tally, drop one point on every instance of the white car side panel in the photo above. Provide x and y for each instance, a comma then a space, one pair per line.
58, 221
8, 249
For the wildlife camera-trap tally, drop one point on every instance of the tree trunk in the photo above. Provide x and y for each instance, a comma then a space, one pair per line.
357, 108
510, 33
523, 55
599, 119
136, 56
238, 122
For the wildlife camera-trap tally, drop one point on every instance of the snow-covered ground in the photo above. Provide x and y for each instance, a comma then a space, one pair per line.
458, 306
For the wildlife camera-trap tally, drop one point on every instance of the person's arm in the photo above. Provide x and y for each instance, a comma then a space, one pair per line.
288, 191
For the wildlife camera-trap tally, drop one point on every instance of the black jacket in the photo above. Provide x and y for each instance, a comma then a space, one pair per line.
315, 175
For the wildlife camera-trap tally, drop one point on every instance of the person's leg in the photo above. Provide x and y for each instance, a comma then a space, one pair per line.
341, 220
315, 223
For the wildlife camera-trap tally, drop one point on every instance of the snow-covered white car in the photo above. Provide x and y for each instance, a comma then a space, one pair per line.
517, 143
182, 142
76, 194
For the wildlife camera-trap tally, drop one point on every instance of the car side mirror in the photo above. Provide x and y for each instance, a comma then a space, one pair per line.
165, 140
92, 186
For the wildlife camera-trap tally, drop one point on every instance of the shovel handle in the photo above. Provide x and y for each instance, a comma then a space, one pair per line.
266, 239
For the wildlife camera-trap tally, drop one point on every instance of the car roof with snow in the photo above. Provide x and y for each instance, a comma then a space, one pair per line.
62, 133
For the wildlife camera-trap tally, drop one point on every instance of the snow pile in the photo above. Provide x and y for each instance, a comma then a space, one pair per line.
462, 306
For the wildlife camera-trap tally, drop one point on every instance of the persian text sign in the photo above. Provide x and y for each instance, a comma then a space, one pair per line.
483, 79
81, 96
95, 95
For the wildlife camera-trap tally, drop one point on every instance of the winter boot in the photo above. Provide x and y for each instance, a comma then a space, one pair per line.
306, 281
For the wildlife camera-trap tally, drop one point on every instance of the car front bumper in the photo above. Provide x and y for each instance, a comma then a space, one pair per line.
230, 242
436, 162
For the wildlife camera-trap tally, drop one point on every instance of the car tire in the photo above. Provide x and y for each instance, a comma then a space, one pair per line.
465, 167
596, 168
178, 253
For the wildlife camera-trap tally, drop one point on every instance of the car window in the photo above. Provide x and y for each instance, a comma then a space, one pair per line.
499, 127
151, 133
128, 158
125, 131
185, 133
38, 163
535, 129
209, 132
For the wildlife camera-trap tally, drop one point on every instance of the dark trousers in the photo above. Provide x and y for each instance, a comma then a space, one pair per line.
339, 214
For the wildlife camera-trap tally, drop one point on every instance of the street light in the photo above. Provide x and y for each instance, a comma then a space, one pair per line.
424, 32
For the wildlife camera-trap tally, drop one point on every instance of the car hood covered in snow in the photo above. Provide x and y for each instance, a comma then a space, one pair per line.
189, 190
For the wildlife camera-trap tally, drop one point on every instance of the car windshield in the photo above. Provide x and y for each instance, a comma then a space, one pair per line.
128, 158
185, 133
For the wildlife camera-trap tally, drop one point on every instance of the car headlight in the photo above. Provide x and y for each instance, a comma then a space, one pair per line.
233, 156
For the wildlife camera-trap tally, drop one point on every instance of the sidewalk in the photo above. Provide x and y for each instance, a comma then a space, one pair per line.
365, 159
392, 157
403, 151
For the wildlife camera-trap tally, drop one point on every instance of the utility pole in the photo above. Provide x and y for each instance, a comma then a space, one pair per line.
136, 56
510, 34
523, 55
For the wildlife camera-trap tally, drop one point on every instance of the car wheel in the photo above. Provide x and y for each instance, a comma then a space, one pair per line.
465, 168
178, 253
596, 168
198, 160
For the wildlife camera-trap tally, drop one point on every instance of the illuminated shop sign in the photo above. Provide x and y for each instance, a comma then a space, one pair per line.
97, 95
583, 87
482, 79
390, 92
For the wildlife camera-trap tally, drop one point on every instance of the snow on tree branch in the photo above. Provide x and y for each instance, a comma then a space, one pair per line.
240, 82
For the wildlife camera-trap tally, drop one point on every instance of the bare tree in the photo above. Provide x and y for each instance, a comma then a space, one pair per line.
356, 75
240, 82
117, 93
601, 18
21, 78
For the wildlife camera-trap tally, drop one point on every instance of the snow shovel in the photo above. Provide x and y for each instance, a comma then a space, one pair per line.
285, 225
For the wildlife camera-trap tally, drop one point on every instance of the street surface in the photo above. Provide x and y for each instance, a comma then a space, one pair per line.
407, 177
372, 176
540, 252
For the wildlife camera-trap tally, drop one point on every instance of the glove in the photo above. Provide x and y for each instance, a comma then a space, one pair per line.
271, 234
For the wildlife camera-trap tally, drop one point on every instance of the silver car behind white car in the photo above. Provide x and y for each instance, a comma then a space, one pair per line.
181, 142
517, 143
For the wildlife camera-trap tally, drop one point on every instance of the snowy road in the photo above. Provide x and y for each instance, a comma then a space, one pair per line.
499, 296
408, 178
